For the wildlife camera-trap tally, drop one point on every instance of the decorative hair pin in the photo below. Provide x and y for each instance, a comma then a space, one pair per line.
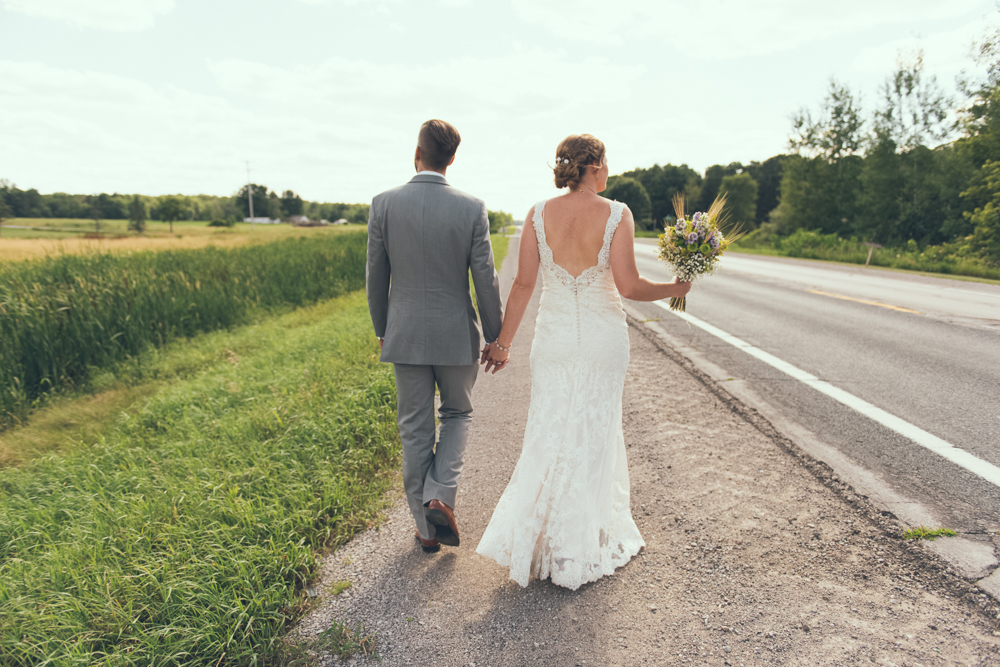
562, 160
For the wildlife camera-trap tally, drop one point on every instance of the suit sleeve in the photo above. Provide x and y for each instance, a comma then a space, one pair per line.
484, 278
377, 272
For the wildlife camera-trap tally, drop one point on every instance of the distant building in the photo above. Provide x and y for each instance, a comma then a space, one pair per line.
342, 221
299, 220
263, 221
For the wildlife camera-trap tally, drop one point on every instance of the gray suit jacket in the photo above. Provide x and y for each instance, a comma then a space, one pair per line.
423, 237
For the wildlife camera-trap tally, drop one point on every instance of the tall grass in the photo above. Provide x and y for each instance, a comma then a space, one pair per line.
182, 537
60, 317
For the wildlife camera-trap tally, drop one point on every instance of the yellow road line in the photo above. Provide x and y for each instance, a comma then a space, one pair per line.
870, 303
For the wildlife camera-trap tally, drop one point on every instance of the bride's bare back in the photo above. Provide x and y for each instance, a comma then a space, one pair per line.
574, 227
574, 230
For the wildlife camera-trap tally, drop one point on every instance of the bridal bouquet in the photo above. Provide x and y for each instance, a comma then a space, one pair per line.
693, 246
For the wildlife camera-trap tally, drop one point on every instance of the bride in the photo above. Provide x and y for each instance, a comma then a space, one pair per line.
565, 513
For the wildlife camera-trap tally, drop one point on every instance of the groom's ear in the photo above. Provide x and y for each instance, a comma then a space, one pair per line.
451, 161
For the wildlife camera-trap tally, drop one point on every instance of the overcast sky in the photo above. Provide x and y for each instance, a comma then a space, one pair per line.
325, 97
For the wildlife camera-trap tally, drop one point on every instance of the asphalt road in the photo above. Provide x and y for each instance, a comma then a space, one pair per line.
925, 350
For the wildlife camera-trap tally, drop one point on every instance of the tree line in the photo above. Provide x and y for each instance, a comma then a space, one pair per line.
919, 169
18, 203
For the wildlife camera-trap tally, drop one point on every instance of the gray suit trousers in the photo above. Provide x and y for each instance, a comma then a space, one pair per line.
431, 472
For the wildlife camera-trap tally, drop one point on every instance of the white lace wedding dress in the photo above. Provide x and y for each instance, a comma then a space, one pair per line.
565, 513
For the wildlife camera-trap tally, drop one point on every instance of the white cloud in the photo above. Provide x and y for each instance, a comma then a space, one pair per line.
117, 15
945, 53
529, 79
341, 130
727, 29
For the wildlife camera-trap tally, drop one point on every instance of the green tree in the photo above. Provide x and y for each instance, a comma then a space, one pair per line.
498, 220
903, 194
170, 209
768, 176
630, 192
820, 190
266, 204
4, 211
291, 204
741, 198
137, 215
661, 184
25, 203
914, 110
985, 239
836, 133
63, 205
709, 187
880, 193
980, 116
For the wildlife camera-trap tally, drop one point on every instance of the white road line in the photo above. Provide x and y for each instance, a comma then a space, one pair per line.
971, 291
960, 457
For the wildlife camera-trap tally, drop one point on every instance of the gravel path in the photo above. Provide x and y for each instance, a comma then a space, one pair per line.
756, 554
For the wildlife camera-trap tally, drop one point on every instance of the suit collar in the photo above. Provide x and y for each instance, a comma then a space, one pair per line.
429, 178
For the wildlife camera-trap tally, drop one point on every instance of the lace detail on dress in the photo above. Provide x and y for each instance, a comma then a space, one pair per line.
565, 514
603, 256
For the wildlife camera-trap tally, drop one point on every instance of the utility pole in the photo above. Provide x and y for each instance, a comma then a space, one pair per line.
250, 194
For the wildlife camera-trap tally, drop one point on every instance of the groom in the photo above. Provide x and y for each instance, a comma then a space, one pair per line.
423, 238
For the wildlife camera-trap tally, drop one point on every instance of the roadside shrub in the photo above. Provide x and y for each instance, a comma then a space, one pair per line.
957, 258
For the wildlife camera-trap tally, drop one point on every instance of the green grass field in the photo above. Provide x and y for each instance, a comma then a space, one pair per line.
61, 317
170, 511
182, 535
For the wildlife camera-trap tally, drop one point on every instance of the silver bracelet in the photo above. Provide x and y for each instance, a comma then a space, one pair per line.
501, 347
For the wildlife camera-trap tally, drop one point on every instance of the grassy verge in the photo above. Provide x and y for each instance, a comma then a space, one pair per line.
500, 243
62, 317
181, 536
950, 276
950, 260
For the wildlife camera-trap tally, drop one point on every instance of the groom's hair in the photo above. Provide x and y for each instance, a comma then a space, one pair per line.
438, 142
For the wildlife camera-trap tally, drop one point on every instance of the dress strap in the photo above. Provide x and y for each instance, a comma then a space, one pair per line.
617, 208
537, 219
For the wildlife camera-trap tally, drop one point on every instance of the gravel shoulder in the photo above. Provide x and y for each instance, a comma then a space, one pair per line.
756, 554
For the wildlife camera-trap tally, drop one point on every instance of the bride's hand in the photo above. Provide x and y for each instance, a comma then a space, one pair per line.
494, 358
681, 288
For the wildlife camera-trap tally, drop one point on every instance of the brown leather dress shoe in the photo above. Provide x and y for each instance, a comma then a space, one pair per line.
443, 518
429, 546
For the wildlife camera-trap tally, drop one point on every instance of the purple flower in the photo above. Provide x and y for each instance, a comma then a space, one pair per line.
692, 237
713, 241
681, 226
696, 218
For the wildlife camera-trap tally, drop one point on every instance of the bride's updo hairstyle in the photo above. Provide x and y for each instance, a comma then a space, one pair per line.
574, 154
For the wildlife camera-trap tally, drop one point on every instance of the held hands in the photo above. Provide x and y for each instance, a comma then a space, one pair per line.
494, 358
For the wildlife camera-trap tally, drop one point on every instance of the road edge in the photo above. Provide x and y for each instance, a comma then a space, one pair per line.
970, 561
